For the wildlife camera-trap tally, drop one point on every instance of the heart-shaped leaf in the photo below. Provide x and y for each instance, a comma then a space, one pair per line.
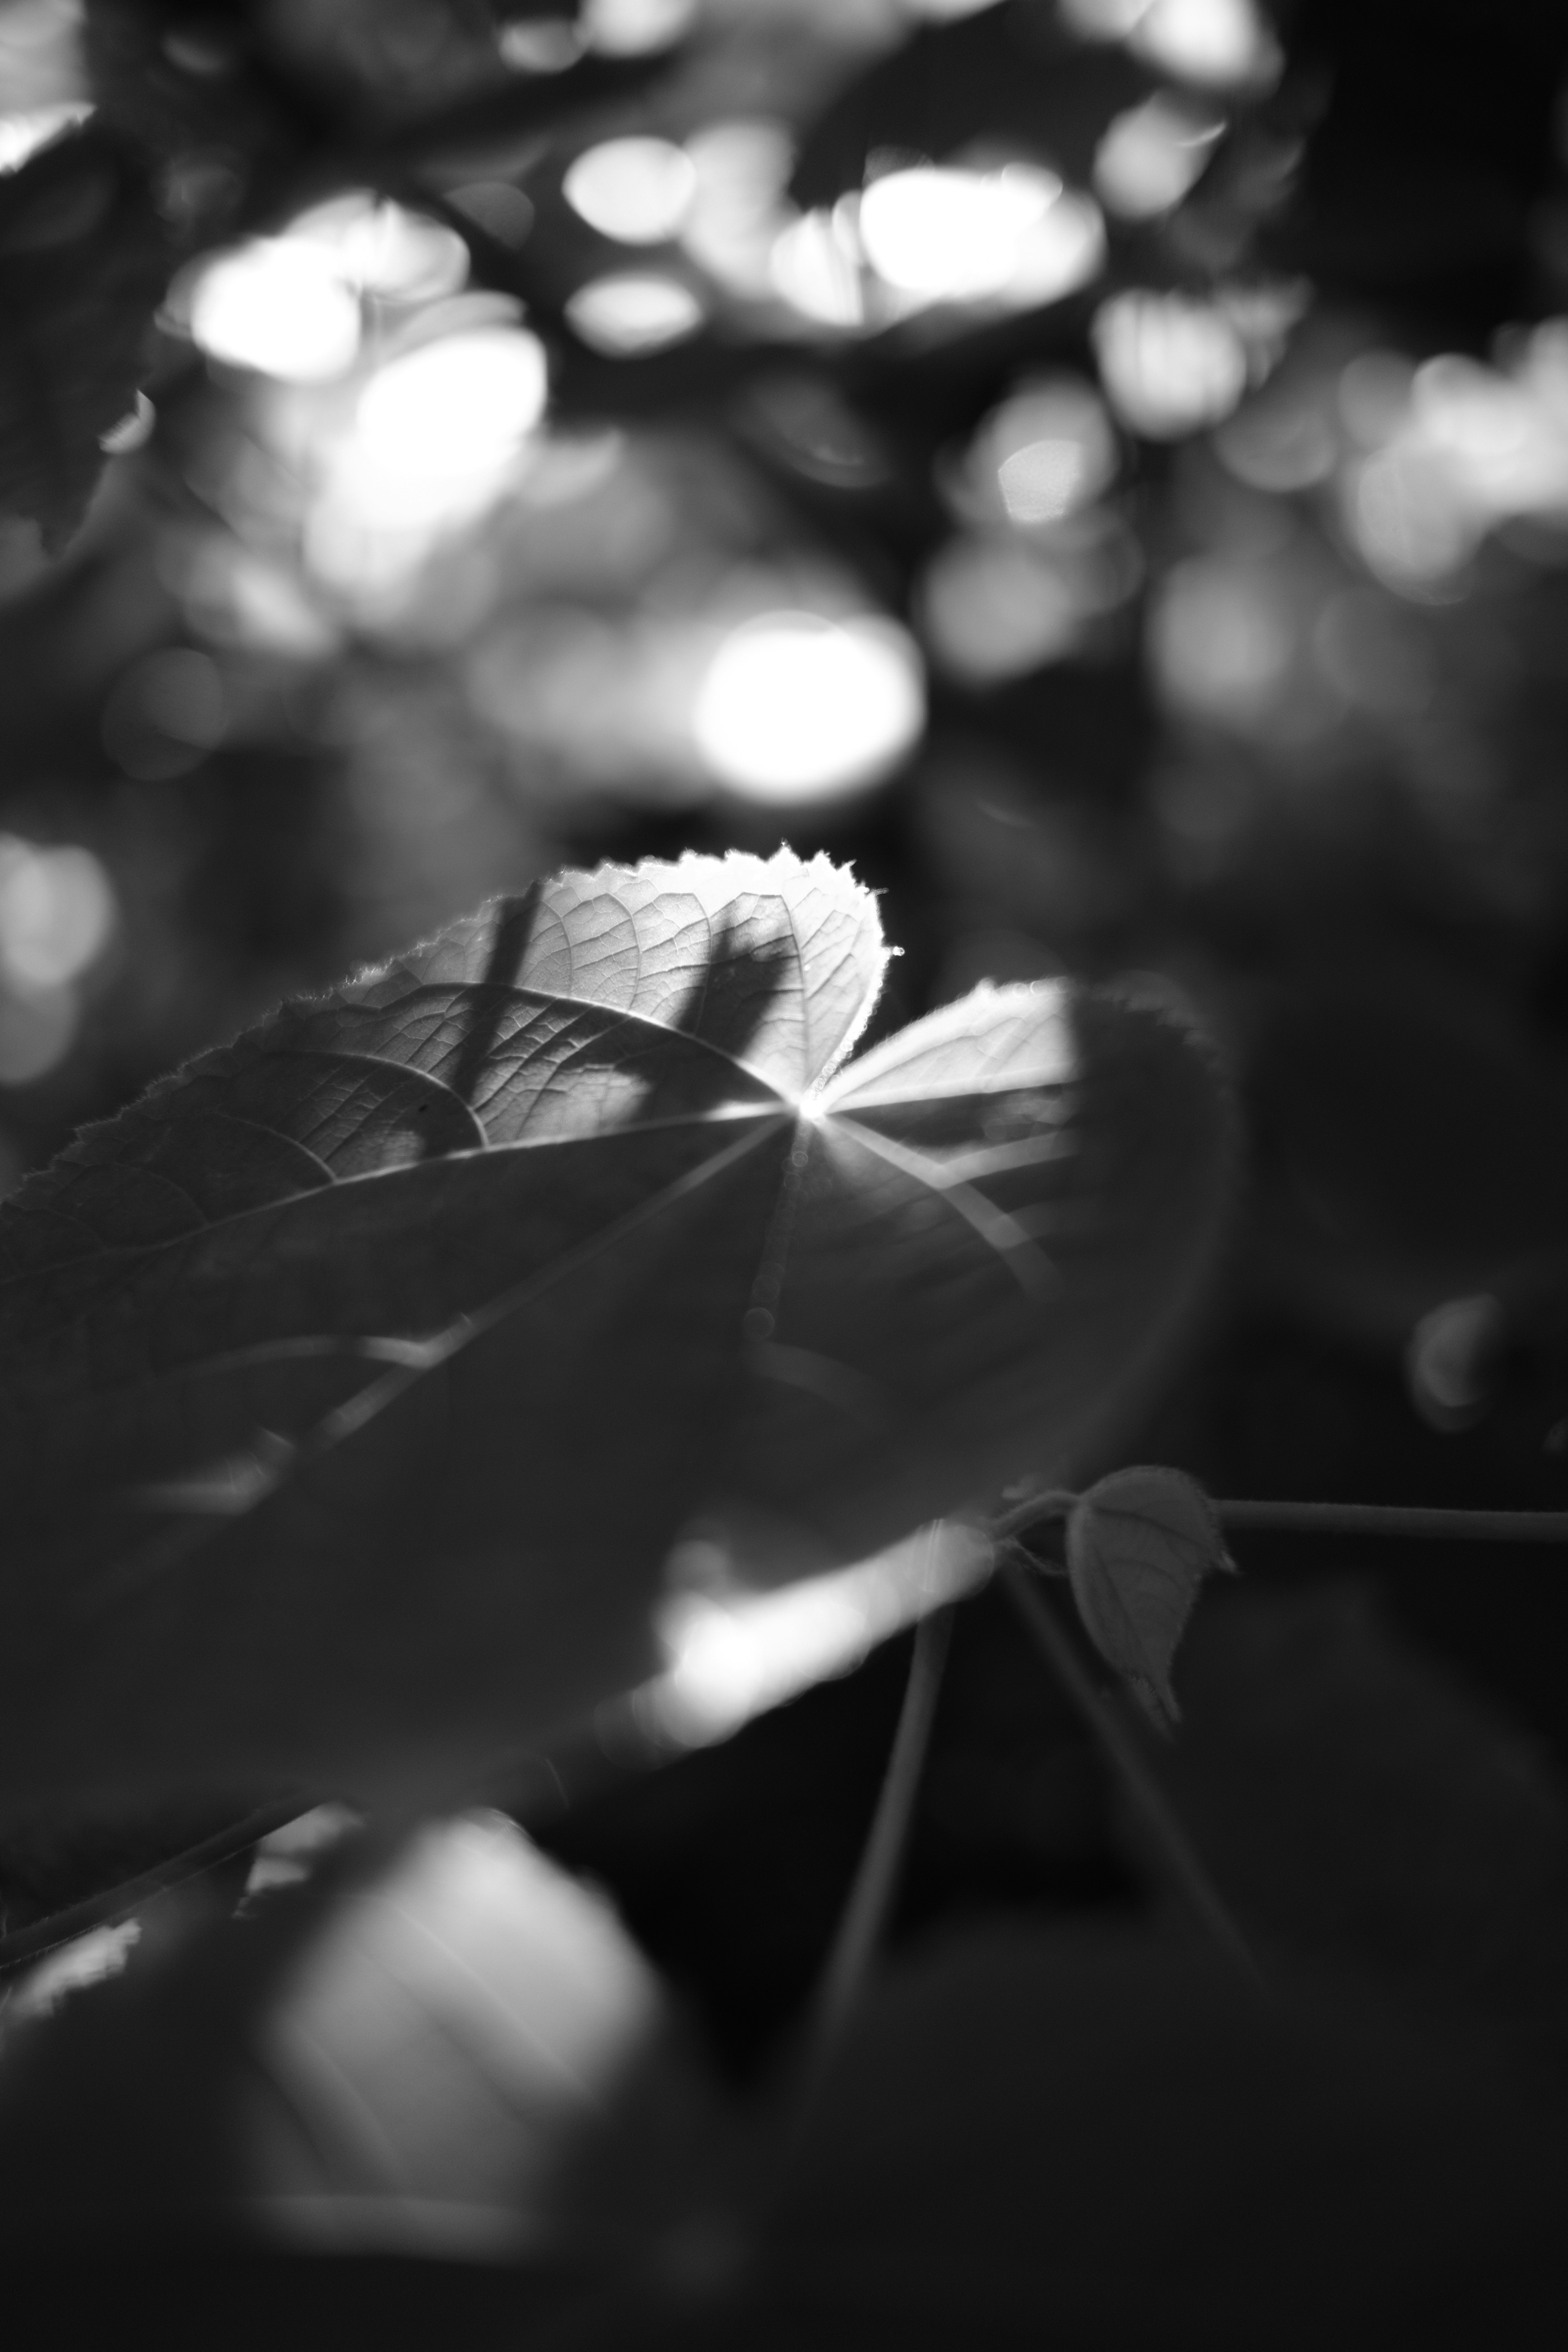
1139, 1544
357, 1380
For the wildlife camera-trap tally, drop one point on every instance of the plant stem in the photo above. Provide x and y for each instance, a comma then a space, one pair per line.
1399, 1519
1415, 1520
1183, 1867
877, 1876
864, 1914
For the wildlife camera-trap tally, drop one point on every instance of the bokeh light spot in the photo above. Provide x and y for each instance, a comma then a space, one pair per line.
1151, 155
950, 235
992, 610
638, 191
1169, 364
1219, 43
794, 706
56, 912
1041, 456
278, 306
632, 29
623, 316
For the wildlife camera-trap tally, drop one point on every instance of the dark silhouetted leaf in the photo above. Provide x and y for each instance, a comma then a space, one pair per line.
358, 1378
1092, 2138
1139, 1544
82, 264
1359, 1805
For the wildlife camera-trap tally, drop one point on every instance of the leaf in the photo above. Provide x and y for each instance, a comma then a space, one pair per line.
1088, 2136
458, 2051
1361, 1806
437, 2069
1139, 1544
82, 263
358, 1379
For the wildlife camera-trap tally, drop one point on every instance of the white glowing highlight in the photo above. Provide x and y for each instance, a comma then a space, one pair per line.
1218, 44
436, 437
794, 707
290, 305
22, 133
438, 426
731, 1653
380, 248
623, 316
738, 208
279, 307
638, 191
814, 266
1013, 234
631, 29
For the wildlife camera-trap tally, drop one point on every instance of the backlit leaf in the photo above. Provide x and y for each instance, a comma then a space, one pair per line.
1139, 1544
358, 1379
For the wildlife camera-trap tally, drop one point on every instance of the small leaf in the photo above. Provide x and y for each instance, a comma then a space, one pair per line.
1139, 1544
356, 1382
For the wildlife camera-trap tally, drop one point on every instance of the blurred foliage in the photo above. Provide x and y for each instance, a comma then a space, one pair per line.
1100, 464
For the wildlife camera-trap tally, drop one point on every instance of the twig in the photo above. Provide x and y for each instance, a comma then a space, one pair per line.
1399, 1519
870, 1899
1413, 1519
1185, 1871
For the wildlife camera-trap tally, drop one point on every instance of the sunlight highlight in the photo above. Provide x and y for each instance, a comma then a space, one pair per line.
1014, 234
290, 307
1169, 364
435, 437
280, 307
731, 1654
22, 134
795, 706
625, 316
638, 191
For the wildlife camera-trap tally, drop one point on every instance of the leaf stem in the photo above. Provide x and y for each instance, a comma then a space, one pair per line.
870, 1899
875, 1880
1411, 1519
1399, 1519
1184, 1870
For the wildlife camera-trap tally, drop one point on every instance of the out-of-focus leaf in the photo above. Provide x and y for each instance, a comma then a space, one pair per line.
1094, 2139
434, 2070
1139, 1544
1360, 1806
358, 1378
463, 2053
1083, 2137
82, 264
